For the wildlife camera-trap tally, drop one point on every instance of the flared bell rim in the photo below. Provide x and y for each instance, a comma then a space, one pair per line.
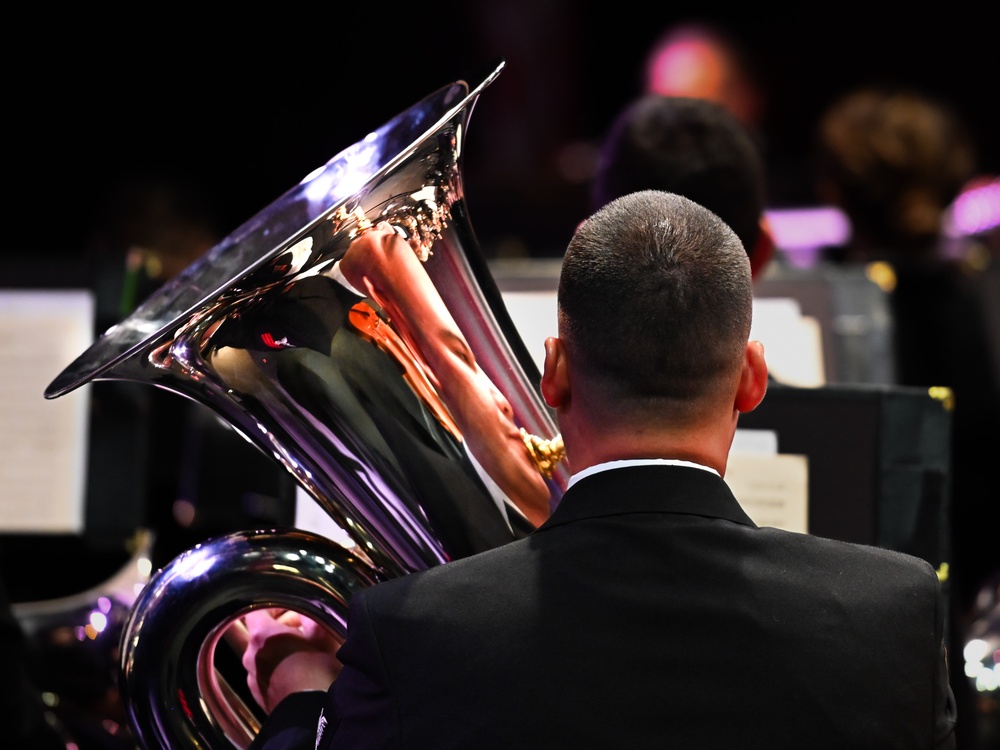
254, 243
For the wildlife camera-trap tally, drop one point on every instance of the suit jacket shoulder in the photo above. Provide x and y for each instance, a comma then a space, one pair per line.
645, 605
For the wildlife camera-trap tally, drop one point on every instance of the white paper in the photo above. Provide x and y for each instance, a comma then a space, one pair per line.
772, 489
534, 315
755, 441
793, 343
43, 443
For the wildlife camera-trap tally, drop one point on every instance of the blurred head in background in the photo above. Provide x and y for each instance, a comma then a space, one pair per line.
700, 60
693, 147
893, 160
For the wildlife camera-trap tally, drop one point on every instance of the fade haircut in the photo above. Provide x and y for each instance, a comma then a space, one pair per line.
655, 300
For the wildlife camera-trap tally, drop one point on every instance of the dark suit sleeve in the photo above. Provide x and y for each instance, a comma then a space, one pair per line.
292, 724
944, 699
361, 710
944, 707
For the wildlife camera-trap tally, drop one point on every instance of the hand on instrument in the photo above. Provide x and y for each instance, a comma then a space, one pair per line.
286, 652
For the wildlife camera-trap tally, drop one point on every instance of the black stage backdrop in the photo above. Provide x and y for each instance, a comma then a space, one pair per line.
244, 106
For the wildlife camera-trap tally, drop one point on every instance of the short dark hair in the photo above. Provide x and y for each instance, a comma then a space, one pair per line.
693, 147
655, 299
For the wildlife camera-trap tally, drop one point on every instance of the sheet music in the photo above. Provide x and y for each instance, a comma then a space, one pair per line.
773, 488
43, 443
793, 342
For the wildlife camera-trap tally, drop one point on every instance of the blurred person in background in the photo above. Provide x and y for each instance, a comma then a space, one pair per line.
723, 63
694, 147
702, 60
894, 160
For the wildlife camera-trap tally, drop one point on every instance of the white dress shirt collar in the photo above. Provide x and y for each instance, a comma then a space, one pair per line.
635, 462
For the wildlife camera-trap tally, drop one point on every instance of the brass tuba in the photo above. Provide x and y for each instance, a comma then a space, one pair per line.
353, 369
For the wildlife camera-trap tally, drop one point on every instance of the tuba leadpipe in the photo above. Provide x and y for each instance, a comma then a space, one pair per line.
322, 357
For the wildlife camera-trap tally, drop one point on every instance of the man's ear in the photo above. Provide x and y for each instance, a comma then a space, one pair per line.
555, 378
753, 378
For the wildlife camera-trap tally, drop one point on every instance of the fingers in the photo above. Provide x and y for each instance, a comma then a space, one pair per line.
320, 635
284, 651
261, 630
291, 618
237, 636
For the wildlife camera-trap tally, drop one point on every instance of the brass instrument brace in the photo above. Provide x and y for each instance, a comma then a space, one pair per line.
545, 453
420, 231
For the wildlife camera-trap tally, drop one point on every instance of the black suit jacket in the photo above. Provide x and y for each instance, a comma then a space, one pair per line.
649, 611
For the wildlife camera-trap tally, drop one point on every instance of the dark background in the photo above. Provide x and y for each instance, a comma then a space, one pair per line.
241, 106
246, 105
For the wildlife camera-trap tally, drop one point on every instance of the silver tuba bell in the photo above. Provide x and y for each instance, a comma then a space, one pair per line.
352, 331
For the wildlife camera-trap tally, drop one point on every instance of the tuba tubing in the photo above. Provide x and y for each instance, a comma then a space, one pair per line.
372, 418
181, 615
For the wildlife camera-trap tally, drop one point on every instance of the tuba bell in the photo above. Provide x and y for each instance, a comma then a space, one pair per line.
351, 331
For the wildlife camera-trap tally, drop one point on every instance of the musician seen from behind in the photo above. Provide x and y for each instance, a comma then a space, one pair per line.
649, 610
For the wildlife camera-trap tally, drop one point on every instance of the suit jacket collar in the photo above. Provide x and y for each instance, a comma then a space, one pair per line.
649, 489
